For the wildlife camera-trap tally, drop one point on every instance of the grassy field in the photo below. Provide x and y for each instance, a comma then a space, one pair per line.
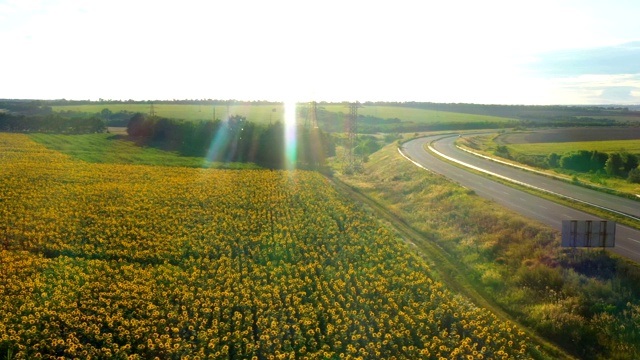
416, 115
115, 149
265, 113
254, 113
567, 135
631, 146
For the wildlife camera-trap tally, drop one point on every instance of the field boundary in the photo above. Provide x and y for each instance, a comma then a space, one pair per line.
441, 262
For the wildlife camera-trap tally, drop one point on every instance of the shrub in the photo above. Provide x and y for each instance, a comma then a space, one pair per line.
634, 176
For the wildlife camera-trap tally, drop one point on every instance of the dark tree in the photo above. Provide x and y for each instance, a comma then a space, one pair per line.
553, 160
634, 176
614, 164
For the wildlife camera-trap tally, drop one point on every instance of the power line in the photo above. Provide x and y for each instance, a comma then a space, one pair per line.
352, 134
311, 120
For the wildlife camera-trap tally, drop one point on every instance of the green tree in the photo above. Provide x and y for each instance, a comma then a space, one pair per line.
105, 114
634, 176
630, 162
136, 126
553, 160
614, 164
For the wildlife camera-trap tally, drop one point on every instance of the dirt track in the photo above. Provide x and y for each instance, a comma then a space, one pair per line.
570, 135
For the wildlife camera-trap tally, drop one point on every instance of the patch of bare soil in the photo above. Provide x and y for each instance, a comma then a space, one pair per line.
570, 135
117, 130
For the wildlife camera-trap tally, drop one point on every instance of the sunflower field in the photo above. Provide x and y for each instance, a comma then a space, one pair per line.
131, 261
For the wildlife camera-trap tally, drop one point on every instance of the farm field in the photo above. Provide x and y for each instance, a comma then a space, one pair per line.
265, 114
570, 135
115, 261
255, 113
633, 118
114, 149
416, 115
541, 149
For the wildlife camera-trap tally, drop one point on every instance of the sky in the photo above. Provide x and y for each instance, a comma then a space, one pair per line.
453, 51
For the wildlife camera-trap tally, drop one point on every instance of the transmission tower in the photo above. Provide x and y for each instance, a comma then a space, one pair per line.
311, 121
352, 132
152, 111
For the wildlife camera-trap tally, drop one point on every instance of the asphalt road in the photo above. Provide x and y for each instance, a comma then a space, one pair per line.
542, 210
627, 206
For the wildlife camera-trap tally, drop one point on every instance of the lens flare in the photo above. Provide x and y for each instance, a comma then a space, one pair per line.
219, 144
290, 125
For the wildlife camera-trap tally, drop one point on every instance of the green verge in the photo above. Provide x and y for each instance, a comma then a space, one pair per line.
585, 302
115, 149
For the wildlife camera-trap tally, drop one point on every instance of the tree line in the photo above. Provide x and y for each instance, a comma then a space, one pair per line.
51, 123
615, 164
62, 102
233, 140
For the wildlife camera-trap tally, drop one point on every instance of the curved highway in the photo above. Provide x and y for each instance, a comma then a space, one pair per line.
545, 211
447, 147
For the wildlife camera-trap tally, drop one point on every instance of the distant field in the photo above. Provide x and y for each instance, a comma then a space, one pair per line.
566, 135
631, 146
266, 113
417, 115
253, 113
634, 117
113, 149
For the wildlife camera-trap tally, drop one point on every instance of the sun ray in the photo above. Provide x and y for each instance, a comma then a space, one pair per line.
290, 125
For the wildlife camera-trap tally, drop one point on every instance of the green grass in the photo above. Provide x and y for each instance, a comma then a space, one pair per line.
417, 115
255, 113
115, 149
607, 146
486, 143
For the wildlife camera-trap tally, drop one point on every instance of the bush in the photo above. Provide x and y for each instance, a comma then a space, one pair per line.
492, 279
502, 151
540, 278
634, 176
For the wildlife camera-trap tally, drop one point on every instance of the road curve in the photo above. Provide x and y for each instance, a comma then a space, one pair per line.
542, 210
623, 205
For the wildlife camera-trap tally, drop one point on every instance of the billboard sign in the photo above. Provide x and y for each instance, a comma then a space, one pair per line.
588, 233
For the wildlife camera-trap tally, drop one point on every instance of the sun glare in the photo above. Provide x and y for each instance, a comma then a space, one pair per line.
290, 124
